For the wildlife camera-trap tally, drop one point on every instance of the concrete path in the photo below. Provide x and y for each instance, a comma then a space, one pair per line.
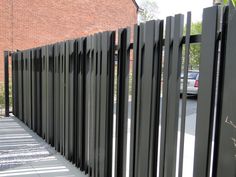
23, 153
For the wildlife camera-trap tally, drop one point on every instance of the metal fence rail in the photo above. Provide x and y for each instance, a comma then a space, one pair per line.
65, 93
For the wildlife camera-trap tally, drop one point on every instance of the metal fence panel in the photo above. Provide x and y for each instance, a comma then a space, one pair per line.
145, 118
65, 93
206, 93
20, 86
134, 102
106, 101
87, 99
62, 92
50, 94
15, 84
44, 92
56, 91
122, 99
33, 89
76, 126
98, 96
66, 99
166, 70
6, 82
71, 99
30, 87
156, 100
172, 116
184, 93
92, 129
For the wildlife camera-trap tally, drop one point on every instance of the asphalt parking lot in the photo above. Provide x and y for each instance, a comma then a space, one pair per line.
190, 113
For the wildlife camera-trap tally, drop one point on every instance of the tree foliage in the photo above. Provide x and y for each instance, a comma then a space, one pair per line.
148, 11
226, 2
196, 28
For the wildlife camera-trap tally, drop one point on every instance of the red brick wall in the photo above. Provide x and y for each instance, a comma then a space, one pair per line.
29, 23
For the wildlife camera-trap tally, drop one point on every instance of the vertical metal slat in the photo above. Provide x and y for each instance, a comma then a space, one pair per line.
184, 93
205, 109
122, 102
6, 83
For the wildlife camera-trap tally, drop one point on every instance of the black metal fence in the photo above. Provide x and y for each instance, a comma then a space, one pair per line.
65, 93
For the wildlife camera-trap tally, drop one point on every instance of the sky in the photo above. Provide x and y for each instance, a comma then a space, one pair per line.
171, 7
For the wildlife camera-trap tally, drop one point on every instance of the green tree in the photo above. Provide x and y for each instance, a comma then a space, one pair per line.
194, 51
196, 28
226, 2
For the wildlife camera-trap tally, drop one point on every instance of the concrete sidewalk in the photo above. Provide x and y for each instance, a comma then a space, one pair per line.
23, 153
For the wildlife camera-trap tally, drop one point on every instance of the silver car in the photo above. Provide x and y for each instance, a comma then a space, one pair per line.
192, 86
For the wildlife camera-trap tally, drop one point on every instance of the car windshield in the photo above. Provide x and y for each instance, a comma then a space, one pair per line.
191, 75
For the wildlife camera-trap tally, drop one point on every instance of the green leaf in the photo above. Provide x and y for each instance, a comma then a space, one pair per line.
233, 2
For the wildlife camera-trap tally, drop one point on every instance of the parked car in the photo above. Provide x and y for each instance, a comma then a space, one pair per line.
192, 85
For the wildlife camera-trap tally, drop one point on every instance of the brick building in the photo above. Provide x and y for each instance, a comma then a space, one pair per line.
30, 23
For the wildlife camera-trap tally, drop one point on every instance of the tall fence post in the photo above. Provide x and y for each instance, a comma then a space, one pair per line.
226, 139
6, 82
